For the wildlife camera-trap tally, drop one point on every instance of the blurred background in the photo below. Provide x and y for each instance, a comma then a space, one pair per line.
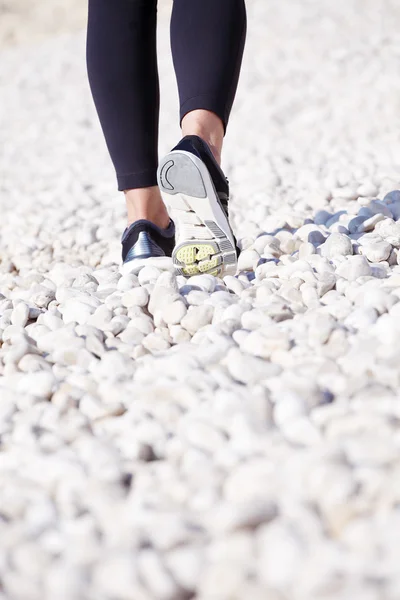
24, 21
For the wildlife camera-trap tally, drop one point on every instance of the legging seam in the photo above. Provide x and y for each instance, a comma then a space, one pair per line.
136, 172
206, 95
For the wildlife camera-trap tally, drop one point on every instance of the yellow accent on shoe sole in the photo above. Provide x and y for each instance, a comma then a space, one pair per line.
196, 259
204, 252
187, 255
205, 265
191, 270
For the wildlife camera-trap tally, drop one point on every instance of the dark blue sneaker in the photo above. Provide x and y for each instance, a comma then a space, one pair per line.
143, 242
196, 193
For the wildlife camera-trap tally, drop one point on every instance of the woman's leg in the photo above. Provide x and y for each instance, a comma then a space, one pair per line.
123, 75
207, 40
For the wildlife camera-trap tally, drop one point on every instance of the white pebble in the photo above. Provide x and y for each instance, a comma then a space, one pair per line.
20, 314
138, 296
337, 244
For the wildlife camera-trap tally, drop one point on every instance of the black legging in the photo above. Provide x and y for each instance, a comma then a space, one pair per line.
207, 40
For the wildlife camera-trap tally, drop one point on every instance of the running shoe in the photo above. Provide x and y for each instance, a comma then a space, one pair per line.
142, 242
196, 193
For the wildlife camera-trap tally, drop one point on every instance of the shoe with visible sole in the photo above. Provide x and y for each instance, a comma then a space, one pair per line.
196, 193
144, 243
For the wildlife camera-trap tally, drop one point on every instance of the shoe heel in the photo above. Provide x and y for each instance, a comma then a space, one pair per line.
177, 174
203, 244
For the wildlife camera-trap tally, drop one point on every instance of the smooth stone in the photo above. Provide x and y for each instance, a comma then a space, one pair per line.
138, 296
34, 330
185, 564
196, 297
116, 577
392, 197
361, 318
20, 314
233, 312
248, 260
174, 312
179, 335
113, 299
75, 311
262, 241
201, 435
377, 299
355, 223
264, 343
117, 324
155, 342
20, 346
143, 323
286, 241
94, 345
206, 283
337, 244
197, 317
369, 224
43, 297
148, 274
367, 189
30, 363
101, 317
233, 284
106, 275
249, 369
376, 251
346, 192
311, 233
301, 431
321, 217
389, 230
321, 328
354, 267
364, 211
39, 383
127, 282
114, 366
395, 210
306, 249
334, 218
51, 321
279, 552
379, 207
339, 228
165, 292
132, 336
326, 281
155, 576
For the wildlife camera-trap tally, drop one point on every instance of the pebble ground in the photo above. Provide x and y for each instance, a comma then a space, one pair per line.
236, 439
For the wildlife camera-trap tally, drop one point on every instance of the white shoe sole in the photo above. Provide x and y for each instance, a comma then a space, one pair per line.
205, 242
164, 263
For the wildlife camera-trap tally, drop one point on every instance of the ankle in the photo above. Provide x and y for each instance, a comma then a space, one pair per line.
208, 126
146, 203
